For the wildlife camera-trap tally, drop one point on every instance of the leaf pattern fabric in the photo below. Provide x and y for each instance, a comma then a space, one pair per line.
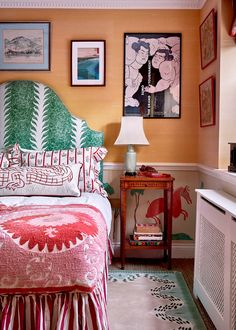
36, 118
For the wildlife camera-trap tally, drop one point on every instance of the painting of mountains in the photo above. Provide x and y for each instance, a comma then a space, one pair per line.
25, 46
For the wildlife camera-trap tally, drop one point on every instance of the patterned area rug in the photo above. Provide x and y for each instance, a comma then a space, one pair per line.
151, 301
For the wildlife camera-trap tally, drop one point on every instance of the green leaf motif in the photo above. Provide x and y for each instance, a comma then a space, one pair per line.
108, 188
90, 138
59, 126
35, 117
136, 191
20, 106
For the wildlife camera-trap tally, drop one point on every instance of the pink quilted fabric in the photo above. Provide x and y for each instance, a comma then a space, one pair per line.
51, 248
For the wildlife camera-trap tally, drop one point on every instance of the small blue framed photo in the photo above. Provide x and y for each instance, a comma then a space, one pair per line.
25, 46
88, 62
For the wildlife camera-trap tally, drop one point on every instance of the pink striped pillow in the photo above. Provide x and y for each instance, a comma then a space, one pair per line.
90, 158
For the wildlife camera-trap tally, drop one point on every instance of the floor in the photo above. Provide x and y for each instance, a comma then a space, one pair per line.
185, 266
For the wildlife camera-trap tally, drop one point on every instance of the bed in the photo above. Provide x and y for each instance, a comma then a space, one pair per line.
55, 216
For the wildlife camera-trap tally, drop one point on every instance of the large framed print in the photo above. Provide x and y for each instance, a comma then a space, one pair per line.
25, 46
208, 40
152, 75
207, 102
88, 63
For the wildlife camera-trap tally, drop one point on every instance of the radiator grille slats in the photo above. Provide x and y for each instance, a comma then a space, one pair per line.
211, 263
215, 256
233, 288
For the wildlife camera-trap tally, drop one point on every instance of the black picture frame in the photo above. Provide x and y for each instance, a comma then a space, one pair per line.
152, 75
88, 65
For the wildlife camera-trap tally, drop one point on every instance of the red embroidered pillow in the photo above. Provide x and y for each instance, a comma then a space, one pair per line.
59, 180
90, 158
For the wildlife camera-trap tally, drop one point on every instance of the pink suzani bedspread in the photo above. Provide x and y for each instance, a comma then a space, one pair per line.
45, 249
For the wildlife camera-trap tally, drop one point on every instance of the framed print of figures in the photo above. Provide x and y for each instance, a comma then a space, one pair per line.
207, 102
208, 40
87, 63
25, 46
152, 72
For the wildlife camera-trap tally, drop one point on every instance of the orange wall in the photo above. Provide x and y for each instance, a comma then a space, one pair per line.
214, 150
171, 140
209, 136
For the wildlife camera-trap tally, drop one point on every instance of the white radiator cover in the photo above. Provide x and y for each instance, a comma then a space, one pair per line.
215, 256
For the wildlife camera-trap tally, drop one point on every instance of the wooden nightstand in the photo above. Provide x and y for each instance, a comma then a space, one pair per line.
140, 182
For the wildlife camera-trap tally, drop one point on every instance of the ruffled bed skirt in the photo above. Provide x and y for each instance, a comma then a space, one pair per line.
59, 311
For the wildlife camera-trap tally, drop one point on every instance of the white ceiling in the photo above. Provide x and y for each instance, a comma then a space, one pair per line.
104, 4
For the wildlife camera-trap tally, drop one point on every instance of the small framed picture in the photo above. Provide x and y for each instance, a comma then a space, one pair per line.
207, 102
208, 40
25, 46
88, 63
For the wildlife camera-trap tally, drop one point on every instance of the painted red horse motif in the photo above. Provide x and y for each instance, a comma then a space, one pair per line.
156, 207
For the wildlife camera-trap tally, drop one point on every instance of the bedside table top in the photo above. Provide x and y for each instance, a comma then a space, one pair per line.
144, 182
146, 178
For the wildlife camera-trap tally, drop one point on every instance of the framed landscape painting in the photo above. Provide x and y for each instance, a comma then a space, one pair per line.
25, 46
87, 63
207, 102
152, 72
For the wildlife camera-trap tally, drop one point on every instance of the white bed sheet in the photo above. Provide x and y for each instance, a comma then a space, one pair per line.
93, 199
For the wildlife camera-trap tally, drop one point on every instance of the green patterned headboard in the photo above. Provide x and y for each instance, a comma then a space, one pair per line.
32, 115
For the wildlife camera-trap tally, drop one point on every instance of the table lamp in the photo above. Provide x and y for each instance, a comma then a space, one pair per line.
131, 133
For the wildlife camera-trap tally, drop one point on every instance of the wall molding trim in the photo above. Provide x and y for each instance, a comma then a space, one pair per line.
220, 174
159, 166
104, 4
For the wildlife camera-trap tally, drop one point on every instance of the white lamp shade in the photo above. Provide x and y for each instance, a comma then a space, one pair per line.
131, 131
